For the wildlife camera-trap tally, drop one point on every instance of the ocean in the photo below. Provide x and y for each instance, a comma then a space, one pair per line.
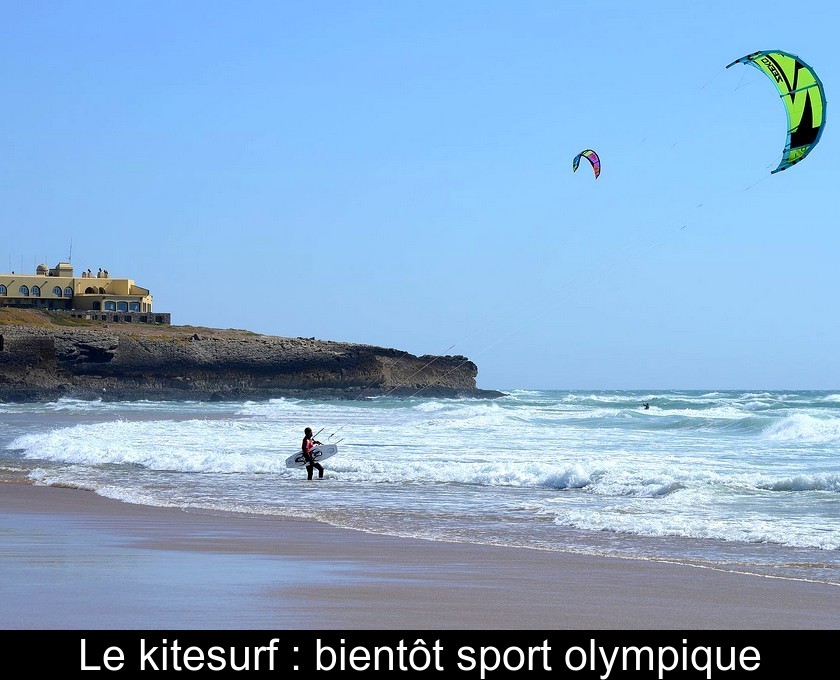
732, 480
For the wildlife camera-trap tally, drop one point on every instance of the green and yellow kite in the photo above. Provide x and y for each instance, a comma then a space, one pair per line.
803, 96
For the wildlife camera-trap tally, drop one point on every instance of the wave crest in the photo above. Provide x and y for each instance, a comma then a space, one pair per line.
806, 428
820, 482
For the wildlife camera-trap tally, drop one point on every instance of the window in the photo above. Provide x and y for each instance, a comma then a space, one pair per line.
24, 291
68, 292
97, 306
128, 319
158, 319
3, 290
110, 306
90, 291
122, 306
57, 291
36, 291
134, 306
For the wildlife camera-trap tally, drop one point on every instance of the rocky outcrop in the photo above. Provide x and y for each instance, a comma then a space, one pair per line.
45, 362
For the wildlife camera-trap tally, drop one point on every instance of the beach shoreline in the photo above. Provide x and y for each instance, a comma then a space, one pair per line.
72, 559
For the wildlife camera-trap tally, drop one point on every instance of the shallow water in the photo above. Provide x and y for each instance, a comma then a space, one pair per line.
743, 481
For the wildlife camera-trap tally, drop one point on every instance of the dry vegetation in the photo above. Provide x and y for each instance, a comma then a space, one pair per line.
45, 319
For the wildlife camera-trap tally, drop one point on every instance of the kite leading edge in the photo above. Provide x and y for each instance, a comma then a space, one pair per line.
592, 157
801, 92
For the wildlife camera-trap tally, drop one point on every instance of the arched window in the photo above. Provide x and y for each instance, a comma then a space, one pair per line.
24, 291
3, 290
97, 306
68, 292
134, 306
90, 291
110, 306
122, 306
36, 291
57, 291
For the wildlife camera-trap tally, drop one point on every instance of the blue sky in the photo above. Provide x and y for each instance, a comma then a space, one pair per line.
399, 174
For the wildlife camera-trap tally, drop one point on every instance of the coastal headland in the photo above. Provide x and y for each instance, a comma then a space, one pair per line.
45, 356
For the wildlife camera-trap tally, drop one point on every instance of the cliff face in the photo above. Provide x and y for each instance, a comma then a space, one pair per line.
41, 361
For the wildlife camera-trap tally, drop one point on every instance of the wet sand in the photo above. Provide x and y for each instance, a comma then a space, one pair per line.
72, 560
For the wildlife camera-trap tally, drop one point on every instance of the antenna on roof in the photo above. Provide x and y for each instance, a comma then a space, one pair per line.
70, 258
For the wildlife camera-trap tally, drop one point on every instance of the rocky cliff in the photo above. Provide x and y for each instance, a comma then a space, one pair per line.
44, 357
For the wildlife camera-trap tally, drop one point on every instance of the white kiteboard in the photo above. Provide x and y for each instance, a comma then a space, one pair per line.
319, 453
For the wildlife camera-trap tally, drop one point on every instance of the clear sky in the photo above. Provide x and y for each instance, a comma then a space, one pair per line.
398, 173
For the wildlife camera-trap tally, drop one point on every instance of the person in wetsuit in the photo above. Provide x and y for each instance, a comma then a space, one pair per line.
306, 448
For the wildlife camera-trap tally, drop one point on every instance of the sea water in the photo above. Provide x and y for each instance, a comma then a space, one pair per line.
738, 481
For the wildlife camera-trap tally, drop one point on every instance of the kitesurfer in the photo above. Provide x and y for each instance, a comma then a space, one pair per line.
306, 449
646, 405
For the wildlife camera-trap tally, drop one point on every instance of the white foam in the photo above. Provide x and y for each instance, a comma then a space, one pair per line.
669, 522
181, 446
806, 428
718, 465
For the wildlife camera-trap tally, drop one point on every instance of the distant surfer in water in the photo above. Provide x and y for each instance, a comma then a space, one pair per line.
306, 448
646, 405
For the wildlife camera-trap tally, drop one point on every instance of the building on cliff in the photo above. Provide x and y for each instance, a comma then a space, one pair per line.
95, 296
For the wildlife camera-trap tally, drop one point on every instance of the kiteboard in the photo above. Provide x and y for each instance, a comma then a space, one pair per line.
319, 452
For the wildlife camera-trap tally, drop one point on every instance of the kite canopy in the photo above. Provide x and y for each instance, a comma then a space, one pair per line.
592, 157
803, 96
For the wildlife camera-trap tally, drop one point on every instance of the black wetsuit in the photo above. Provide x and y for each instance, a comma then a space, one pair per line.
310, 467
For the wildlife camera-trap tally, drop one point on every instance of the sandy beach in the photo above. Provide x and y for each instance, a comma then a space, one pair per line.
70, 559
